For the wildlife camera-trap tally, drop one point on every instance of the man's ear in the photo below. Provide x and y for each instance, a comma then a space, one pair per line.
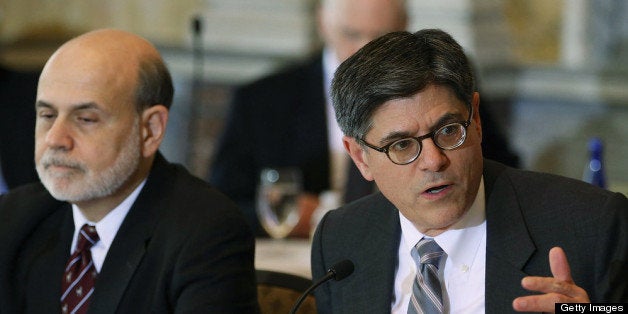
358, 155
154, 121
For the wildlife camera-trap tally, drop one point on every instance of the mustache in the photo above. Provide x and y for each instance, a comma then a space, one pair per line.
49, 159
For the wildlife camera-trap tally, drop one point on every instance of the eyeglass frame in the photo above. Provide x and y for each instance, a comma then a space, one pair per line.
386, 148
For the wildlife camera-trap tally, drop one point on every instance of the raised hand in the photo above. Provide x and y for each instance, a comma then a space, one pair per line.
557, 289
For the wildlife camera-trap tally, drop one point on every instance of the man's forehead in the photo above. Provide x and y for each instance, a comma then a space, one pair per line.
91, 75
410, 115
434, 100
71, 91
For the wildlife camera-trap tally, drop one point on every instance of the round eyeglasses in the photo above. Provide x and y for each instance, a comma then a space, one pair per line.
407, 150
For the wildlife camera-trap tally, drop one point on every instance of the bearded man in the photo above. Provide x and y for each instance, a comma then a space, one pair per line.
113, 227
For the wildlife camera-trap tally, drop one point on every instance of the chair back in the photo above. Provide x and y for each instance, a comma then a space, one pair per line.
277, 292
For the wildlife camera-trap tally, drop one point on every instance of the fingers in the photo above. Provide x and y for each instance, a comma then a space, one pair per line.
559, 265
557, 289
560, 283
538, 303
551, 285
554, 291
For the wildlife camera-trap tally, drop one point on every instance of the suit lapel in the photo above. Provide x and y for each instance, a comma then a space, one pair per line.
377, 261
120, 264
508, 246
129, 245
309, 113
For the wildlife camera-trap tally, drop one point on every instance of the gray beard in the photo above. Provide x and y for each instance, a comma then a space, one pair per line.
91, 185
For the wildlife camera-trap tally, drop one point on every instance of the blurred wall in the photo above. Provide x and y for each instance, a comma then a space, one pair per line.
555, 72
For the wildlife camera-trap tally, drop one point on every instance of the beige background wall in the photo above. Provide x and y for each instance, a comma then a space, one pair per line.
558, 68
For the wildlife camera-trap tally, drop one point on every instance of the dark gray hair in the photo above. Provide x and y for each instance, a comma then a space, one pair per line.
397, 65
154, 85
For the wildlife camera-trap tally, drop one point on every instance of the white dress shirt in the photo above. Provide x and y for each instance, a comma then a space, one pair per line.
107, 227
462, 267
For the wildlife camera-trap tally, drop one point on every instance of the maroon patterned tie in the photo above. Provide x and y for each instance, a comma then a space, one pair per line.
80, 274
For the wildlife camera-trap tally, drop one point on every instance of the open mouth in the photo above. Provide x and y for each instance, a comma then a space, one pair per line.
436, 189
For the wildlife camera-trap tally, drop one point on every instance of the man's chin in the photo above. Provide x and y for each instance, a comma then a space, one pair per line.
62, 191
65, 196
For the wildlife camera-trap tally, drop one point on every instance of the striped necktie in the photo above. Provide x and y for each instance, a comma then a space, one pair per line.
426, 292
80, 274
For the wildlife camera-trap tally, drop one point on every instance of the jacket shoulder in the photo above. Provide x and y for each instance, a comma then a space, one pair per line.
545, 197
289, 76
26, 202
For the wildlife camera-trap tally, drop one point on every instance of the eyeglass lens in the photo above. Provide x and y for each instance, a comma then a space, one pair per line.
447, 137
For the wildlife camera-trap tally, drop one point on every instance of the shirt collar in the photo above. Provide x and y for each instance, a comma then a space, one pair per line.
462, 240
109, 225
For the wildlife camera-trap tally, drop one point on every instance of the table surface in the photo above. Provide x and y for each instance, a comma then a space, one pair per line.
284, 255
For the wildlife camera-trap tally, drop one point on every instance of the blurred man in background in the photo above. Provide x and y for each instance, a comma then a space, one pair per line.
287, 119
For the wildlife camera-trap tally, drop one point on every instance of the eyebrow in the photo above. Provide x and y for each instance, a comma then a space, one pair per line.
396, 135
79, 106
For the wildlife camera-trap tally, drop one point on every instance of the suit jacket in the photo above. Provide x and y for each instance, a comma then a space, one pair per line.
278, 121
527, 214
281, 121
17, 126
183, 247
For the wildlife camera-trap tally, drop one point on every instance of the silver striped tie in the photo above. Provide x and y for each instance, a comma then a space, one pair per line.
426, 291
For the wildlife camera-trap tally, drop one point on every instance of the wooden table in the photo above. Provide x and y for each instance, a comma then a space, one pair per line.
284, 255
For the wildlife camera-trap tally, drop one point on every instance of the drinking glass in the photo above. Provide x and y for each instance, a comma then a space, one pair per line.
277, 194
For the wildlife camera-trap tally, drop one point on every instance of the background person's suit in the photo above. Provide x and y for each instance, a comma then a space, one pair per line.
527, 214
281, 121
278, 121
17, 126
182, 246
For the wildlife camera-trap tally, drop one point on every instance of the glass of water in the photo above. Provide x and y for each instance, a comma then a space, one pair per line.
277, 200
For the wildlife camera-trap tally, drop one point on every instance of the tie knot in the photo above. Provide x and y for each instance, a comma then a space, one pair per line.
87, 238
429, 251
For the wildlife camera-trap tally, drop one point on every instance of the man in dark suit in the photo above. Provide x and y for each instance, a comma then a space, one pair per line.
286, 119
497, 238
162, 241
17, 126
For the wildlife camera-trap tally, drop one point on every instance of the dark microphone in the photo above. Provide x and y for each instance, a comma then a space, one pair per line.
338, 271
197, 48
